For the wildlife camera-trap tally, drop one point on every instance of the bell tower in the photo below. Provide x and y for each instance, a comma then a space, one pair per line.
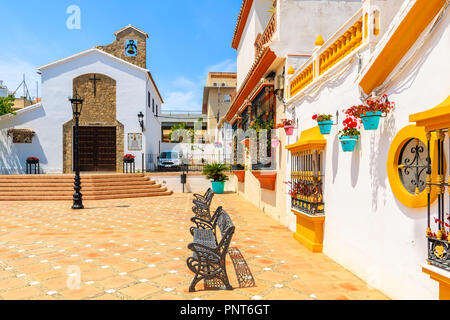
130, 45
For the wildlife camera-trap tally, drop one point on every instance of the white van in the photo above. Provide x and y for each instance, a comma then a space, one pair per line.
169, 159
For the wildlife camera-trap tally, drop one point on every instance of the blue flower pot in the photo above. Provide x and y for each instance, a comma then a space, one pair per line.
348, 143
218, 186
371, 120
325, 126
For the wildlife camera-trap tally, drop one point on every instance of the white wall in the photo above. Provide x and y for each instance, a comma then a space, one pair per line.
367, 230
257, 20
300, 23
153, 132
194, 183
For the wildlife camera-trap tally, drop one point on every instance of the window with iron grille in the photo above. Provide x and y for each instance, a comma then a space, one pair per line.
438, 231
263, 117
307, 182
245, 120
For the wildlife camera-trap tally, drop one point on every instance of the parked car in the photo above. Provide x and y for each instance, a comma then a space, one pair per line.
169, 159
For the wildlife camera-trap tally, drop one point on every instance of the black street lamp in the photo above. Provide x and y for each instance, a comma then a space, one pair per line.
141, 120
77, 105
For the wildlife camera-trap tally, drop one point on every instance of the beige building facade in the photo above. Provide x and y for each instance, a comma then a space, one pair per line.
217, 94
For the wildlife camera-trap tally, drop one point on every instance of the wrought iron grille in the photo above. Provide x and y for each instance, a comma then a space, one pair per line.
306, 182
413, 166
438, 234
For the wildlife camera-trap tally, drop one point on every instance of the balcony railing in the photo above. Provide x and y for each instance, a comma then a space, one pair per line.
267, 35
346, 41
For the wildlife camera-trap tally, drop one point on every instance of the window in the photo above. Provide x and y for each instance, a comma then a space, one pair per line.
215, 84
306, 184
405, 166
156, 110
413, 166
262, 117
224, 84
226, 98
153, 106
148, 99
245, 119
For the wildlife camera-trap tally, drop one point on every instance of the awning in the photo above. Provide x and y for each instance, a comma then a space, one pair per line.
310, 139
435, 118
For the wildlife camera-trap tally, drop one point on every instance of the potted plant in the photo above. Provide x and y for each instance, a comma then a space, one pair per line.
324, 121
128, 158
349, 135
275, 142
215, 172
32, 160
371, 112
288, 126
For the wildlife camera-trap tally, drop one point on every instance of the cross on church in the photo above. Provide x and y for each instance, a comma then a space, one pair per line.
95, 79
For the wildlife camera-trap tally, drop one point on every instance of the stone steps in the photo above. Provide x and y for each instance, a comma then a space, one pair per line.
94, 187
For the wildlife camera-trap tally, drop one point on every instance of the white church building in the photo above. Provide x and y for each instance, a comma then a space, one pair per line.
116, 86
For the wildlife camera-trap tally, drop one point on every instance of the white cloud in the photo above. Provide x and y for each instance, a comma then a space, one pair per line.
12, 71
182, 101
227, 65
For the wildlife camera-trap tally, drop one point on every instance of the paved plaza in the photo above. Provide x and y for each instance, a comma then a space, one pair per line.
137, 249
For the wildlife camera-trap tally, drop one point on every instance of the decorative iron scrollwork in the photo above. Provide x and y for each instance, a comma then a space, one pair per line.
413, 166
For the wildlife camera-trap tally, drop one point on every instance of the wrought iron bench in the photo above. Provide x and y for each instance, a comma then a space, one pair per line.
207, 224
209, 256
204, 197
202, 205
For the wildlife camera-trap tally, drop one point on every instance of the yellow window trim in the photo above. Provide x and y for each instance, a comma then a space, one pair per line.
435, 118
400, 192
310, 139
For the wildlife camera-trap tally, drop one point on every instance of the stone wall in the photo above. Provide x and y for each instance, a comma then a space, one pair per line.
117, 48
98, 110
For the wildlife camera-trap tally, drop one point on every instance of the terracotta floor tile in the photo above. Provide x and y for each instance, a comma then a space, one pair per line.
83, 293
21, 294
140, 291
115, 243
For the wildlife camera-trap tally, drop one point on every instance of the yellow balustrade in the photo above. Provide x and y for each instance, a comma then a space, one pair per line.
342, 47
330, 54
302, 80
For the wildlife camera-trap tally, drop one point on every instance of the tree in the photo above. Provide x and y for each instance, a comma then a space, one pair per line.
6, 105
183, 130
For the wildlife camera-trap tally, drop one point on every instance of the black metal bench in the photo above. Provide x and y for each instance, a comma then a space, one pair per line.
202, 205
204, 197
207, 224
209, 255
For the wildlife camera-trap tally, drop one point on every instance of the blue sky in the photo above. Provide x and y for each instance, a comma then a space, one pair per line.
188, 38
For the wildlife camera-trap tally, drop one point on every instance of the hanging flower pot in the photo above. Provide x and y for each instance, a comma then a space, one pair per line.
289, 130
288, 126
349, 135
348, 143
371, 112
324, 121
371, 120
325, 127
275, 143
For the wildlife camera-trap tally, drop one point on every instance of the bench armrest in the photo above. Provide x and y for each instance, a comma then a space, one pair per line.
202, 223
199, 196
200, 203
204, 253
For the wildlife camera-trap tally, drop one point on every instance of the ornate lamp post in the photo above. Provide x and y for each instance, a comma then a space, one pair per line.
77, 105
141, 120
